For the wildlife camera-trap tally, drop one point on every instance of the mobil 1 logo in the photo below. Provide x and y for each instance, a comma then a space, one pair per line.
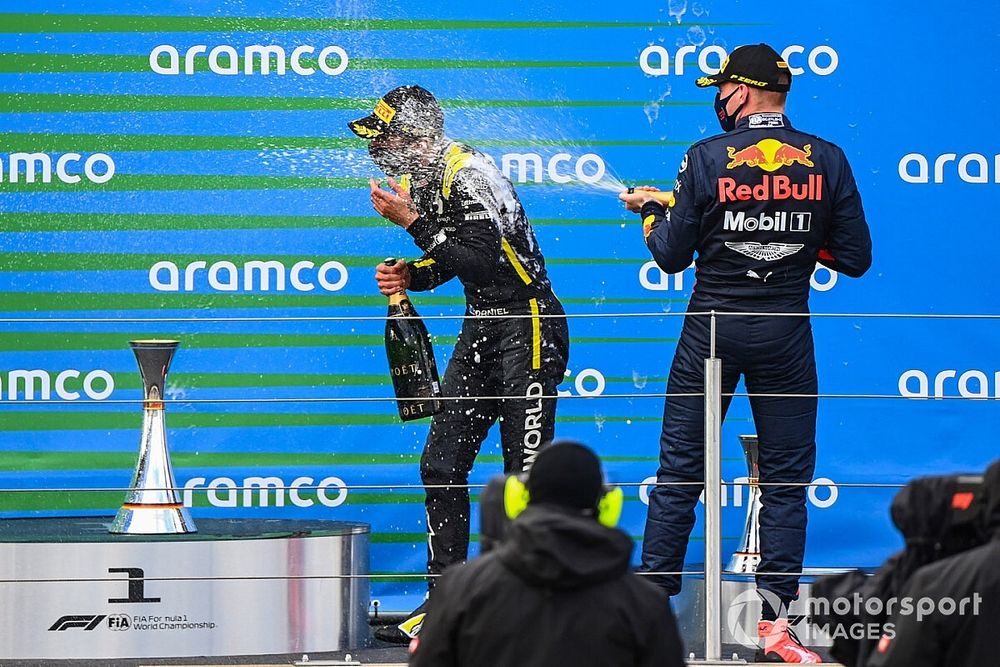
779, 221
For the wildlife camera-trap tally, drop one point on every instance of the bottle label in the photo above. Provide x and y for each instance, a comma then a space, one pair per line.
406, 369
418, 409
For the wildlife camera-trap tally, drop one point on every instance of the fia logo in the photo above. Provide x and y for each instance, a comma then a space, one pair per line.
119, 622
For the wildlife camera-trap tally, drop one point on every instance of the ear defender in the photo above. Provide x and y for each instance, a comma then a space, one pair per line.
515, 496
609, 507
516, 499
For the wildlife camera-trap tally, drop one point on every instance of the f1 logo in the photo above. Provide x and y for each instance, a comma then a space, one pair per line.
136, 586
87, 622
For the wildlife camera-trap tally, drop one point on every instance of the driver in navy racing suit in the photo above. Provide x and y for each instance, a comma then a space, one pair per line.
759, 205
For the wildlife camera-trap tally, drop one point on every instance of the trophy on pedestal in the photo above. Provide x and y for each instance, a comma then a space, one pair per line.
746, 559
153, 506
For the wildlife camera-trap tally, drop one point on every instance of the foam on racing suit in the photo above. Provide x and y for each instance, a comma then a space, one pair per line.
472, 226
760, 206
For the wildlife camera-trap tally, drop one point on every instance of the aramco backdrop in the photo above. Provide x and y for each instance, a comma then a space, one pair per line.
185, 171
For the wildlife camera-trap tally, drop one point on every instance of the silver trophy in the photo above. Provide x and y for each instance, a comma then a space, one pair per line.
153, 506
746, 559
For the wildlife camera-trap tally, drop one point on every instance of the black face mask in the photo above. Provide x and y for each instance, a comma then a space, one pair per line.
726, 120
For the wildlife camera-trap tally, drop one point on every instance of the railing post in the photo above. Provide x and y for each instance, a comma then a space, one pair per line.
713, 502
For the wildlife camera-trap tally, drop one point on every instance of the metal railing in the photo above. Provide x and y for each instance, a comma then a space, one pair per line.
713, 501
713, 397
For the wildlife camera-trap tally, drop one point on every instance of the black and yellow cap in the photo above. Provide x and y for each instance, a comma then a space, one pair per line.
756, 65
411, 110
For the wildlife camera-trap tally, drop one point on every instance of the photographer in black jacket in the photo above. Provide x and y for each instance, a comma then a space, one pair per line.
965, 636
558, 590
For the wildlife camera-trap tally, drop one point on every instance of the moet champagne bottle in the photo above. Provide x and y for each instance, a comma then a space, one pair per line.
665, 198
411, 360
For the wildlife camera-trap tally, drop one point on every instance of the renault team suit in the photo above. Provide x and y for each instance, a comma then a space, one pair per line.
760, 205
470, 224
473, 226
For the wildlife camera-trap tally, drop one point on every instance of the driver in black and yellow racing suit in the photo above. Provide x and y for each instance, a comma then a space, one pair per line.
467, 219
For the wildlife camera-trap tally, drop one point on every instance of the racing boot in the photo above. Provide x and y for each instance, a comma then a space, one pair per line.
405, 631
779, 644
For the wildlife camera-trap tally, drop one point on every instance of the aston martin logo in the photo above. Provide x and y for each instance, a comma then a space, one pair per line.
768, 252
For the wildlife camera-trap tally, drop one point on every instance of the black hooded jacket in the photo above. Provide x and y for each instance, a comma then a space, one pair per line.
967, 636
558, 591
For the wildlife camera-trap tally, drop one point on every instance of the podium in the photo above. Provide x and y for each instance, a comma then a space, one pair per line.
72, 590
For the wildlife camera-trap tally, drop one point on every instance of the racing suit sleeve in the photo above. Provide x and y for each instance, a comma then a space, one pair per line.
426, 273
848, 248
673, 232
464, 242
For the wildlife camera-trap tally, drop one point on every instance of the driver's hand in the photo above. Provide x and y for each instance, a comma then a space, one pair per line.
392, 279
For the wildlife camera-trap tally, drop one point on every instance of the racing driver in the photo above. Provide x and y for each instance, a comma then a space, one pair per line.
760, 205
467, 219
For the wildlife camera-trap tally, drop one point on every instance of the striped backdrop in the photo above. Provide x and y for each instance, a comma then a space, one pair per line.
227, 170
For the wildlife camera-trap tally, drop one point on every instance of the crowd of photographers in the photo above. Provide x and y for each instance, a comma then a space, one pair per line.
554, 585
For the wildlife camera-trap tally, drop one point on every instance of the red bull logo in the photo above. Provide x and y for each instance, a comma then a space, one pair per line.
769, 155
771, 188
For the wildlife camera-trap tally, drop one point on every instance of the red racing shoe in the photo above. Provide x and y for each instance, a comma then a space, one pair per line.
779, 644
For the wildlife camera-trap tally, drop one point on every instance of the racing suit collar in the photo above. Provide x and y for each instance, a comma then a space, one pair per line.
764, 119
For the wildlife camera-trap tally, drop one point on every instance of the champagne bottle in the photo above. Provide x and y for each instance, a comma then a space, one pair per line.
665, 198
411, 359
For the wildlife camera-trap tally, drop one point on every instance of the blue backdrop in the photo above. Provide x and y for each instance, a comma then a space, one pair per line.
157, 192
